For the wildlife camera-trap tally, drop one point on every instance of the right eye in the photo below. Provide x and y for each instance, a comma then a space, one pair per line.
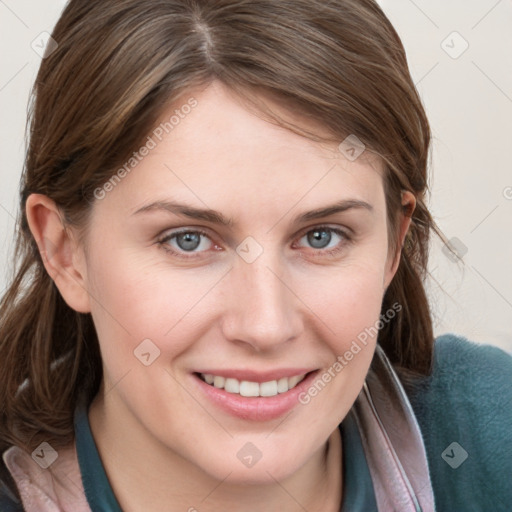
185, 241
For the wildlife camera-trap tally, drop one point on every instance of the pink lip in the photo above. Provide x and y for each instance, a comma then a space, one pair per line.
255, 408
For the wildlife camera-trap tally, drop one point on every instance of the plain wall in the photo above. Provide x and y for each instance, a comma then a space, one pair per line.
460, 55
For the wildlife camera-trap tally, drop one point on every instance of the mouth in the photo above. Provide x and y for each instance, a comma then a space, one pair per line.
254, 397
249, 388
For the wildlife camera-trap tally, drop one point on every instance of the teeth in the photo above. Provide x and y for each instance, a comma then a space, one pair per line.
268, 388
293, 381
249, 388
219, 382
252, 389
282, 385
232, 386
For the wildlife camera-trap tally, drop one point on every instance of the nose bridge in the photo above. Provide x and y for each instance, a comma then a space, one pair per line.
263, 309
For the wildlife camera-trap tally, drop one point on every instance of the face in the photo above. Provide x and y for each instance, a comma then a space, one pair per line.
272, 295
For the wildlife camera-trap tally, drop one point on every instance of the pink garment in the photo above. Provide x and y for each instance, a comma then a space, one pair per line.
57, 488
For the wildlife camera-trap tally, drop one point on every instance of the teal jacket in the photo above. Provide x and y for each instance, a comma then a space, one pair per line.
468, 400
464, 410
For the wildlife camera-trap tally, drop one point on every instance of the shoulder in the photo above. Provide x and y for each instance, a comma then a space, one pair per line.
44, 478
464, 410
453, 350
9, 499
472, 378
8, 502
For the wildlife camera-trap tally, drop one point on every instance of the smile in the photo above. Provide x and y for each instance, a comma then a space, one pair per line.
252, 389
253, 396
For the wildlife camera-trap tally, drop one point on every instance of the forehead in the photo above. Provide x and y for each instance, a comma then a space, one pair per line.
219, 151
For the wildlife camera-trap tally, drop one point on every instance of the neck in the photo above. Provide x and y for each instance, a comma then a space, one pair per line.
128, 451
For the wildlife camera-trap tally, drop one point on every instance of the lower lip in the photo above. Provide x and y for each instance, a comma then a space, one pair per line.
255, 408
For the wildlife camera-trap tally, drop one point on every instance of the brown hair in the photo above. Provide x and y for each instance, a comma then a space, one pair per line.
99, 94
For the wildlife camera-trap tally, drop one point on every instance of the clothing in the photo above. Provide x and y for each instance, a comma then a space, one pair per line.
467, 400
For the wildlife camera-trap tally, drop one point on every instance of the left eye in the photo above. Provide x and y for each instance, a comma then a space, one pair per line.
321, 237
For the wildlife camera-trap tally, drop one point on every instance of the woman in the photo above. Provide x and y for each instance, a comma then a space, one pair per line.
219, 303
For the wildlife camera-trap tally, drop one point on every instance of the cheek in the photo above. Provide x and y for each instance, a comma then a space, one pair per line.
351, 310
356, 301
348, 306
134, 300
347, 298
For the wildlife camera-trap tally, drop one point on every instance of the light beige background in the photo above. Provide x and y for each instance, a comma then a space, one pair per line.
460, 55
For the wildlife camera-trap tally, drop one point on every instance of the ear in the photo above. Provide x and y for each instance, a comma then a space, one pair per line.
62, 258
408, 206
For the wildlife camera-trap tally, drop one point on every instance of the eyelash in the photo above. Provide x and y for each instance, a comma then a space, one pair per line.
162, 242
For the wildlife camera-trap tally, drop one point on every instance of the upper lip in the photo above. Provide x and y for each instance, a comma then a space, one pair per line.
255, 376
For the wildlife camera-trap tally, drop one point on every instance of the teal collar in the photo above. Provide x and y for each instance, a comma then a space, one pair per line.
97, 488
358, 492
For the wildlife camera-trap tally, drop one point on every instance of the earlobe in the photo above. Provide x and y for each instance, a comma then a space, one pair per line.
408, 207
62, 258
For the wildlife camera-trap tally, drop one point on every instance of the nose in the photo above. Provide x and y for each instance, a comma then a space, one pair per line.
261, 308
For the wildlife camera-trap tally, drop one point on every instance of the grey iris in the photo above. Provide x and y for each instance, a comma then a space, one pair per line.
317, 237
188, 241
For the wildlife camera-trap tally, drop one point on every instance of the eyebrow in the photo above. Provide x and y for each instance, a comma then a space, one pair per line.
215, 217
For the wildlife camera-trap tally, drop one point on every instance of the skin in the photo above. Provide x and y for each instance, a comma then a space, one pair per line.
294, 306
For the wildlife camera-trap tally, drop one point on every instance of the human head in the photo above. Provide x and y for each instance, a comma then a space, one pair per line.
98, 98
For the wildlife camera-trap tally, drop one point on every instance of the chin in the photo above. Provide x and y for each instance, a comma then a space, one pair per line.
239, 469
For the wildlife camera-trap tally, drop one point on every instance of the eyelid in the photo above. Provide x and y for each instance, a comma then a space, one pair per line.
347, 232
